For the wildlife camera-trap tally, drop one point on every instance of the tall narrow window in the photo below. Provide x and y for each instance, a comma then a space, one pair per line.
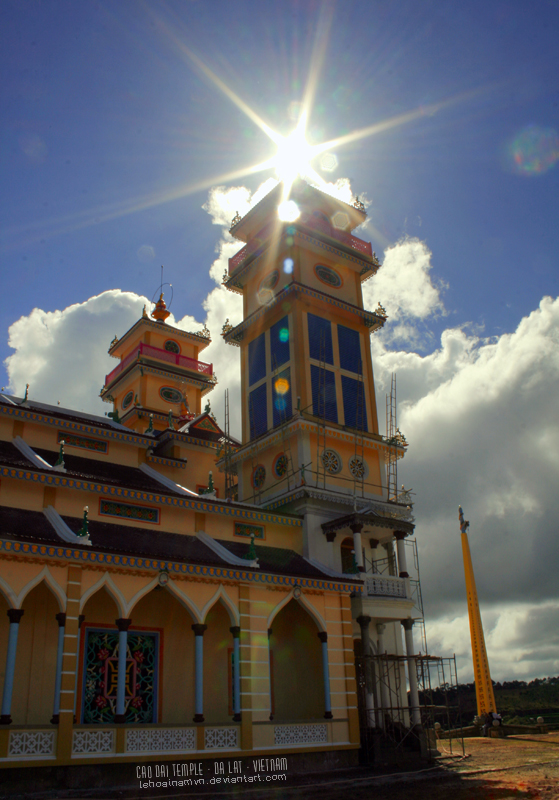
279, 343
257, 359
355, 411
257, 411
350, 349
320, 339
281, 397
324, 403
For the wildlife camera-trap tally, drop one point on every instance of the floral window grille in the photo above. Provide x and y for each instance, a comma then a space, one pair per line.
100, 676
358, 468
331, 462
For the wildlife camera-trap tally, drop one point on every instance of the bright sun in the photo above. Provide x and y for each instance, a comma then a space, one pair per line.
294, 156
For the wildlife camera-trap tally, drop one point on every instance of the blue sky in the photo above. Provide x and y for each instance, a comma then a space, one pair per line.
104, 117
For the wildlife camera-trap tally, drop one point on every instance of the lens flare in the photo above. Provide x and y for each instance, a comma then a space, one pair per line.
284, 335
534, 151
288, 211
281, 386
288, 266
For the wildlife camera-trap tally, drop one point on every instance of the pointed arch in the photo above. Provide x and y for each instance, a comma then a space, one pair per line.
53, 585
8, 594
173, 590
107, 582
221, 595
304, 603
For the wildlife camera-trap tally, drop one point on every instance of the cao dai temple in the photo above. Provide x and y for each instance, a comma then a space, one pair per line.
170, 592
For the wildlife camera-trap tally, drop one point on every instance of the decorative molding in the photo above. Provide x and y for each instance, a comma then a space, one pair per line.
93, 741
159, 740
125, 563
108, 508
31, 743
241, 529
386, 587
300, 734
221, 738
226, 509
84, 442
166, 462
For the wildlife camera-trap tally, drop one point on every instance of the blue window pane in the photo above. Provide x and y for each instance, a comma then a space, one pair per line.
279, 343
320, 339
354, 403
256, 359
350, 351
257, 411
324, 403
281, 397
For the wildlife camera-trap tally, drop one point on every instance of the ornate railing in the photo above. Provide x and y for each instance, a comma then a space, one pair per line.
161, 355
385, 587
314, 223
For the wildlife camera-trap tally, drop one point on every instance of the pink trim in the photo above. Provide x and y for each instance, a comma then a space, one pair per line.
162, 355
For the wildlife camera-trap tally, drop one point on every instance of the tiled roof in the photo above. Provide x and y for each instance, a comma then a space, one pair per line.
89, 468
276, 559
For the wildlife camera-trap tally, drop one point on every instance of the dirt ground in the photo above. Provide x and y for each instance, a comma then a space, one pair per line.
515, 768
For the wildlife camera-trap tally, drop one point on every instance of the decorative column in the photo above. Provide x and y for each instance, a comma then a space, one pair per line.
330, 536
199, 671
400, 537
373, 544
14, 615
383, 670
363, 622
81, 618
410, 652
61, 619
236, 631
122, 625
323, 636
270, 671
389, 547
356, 528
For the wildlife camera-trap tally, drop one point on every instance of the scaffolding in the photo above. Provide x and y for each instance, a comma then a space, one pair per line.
285, 415
359, 456
391, 434
227, 450
385, 713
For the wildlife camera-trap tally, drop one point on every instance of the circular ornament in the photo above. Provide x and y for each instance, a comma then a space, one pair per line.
170, 395
328, 276
258, 476
280, 465
358, 468
171, 346
163, 578
332, 462
127, 399
270, 281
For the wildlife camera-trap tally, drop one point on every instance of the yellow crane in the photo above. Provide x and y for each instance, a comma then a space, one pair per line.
484, 687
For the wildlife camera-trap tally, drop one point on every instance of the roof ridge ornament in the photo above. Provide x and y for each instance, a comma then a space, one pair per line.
235, 221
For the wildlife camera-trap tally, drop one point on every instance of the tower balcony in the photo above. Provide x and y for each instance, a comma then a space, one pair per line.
158, 354
308, 221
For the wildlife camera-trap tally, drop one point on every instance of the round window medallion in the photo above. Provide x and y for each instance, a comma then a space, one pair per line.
328, 275
128, 397
170, 395
270, 281
281, 465
358, 468
332, 462
258, 476
171, 346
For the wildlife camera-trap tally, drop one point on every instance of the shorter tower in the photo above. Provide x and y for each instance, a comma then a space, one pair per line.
484, 687
160, 376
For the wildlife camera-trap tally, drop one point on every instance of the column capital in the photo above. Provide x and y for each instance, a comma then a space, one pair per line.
373, 543
15, 615
61, 619
236, 631
407, 624
323, 636
356, 527
399, 535
363, 621
122, 624
381, 627
330, 536
199, 629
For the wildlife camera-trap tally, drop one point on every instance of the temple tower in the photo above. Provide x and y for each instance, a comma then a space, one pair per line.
310, 438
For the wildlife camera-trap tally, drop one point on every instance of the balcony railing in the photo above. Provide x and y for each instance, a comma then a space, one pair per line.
161, 355
385, 587
316, 224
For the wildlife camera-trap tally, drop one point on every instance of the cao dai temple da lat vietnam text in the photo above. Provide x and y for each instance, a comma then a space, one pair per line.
170, 591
